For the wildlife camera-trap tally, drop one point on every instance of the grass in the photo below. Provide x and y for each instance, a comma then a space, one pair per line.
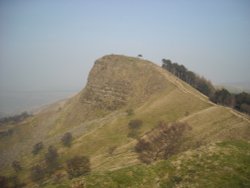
225, 164
94, 132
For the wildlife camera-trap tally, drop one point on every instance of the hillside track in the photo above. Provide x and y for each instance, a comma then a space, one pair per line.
180, 85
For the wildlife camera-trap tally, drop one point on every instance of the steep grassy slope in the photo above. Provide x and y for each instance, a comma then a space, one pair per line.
98, 121
115, 82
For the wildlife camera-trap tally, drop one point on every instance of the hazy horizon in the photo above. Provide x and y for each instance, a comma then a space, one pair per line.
52, 45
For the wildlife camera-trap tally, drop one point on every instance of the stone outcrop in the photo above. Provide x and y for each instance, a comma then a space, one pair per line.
116, 81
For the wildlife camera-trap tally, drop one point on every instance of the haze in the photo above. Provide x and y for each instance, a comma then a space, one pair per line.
51, 45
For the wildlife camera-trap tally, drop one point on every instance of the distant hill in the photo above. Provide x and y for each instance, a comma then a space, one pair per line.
236, 87
127, 100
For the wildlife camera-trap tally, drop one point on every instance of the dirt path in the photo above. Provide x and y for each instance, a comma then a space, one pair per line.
238, 114
174, 80
197, 113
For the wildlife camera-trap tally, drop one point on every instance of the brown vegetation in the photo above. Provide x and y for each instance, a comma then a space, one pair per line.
37, 148
162, 142
14, 119
134, 126
67, 139
51, 158
77, 166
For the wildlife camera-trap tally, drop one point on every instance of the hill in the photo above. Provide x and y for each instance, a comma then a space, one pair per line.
119, 90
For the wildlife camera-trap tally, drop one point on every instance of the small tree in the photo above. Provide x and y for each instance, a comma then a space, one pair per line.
16, 166
141, 146
77, 166
67, 139
37, 148
51, 158
134, 126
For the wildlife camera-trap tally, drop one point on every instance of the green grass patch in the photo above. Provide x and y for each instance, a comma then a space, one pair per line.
225, 166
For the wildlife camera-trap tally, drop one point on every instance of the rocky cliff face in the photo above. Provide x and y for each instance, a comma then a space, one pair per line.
116, 81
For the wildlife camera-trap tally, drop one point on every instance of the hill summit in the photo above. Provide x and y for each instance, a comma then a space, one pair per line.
186, 140
116, 81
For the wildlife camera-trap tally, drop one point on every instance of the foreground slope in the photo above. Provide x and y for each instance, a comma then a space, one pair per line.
98, 120
224, 164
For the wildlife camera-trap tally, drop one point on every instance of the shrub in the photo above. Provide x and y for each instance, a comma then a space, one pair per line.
67, 139
37, 148
14, 119
160, 143
134, 126
141, 146
51, 158
16, 166
77, 166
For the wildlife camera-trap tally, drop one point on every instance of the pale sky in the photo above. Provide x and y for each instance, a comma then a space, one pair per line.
52, 44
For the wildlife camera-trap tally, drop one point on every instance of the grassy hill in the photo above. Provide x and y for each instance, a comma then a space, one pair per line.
98, 120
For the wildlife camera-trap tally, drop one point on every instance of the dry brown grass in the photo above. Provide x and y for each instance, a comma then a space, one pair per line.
154, 95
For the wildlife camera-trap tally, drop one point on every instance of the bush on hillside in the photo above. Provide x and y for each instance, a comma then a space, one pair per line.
160, 143
37, 148
51, 158
134, 126
77, 166
141, 146
67, 139
14, 119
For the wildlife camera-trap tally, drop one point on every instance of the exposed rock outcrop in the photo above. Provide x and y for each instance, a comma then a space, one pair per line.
116, 81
